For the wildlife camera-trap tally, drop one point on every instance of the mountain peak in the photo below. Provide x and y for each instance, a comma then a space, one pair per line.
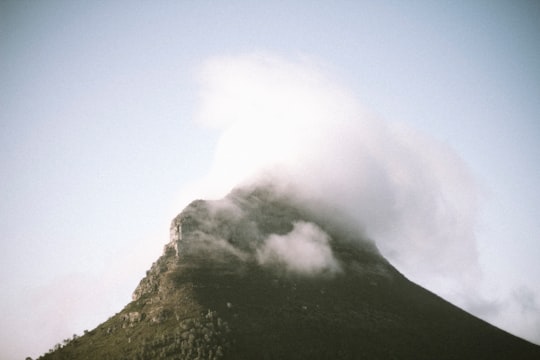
257, 275
259, 228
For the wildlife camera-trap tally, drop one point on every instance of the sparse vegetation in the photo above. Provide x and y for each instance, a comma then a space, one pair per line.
203, 337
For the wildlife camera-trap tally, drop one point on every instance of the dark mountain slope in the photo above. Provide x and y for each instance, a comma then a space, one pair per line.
235, 283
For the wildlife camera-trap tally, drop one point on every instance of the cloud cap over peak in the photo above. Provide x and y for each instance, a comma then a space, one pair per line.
288, 121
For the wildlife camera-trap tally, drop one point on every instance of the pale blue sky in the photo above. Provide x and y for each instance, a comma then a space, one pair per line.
97, 140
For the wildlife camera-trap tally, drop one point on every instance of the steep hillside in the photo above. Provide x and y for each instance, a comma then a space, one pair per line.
254, 276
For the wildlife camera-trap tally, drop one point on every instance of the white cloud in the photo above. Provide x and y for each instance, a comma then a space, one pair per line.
304, 250
286, 120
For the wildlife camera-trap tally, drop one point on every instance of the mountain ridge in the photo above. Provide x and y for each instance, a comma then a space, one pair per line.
230, 285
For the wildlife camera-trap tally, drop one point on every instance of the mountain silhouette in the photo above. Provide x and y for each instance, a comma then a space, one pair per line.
256, 275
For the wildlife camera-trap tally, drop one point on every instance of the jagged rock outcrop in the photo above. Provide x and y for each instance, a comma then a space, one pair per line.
257, 276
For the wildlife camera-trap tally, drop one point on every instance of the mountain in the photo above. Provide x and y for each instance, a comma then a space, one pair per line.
258, 276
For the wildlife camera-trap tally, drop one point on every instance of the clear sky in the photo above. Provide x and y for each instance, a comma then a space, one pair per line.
98, 143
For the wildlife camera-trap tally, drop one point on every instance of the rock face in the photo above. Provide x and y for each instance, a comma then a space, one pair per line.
255, 276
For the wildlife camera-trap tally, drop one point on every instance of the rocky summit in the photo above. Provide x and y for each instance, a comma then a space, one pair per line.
257, 276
